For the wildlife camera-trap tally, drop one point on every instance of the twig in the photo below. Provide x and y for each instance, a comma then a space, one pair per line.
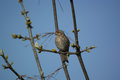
60, 5
28, 77
40, 49
56, 28
51, 74
77, 43
28, 22
15, 36
9, 66
47, 34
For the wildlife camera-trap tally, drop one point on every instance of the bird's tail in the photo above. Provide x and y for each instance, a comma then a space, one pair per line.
64, 58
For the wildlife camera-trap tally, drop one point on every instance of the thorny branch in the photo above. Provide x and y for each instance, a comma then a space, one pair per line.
9, 65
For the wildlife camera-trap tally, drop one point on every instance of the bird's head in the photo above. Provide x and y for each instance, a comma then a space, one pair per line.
59, 33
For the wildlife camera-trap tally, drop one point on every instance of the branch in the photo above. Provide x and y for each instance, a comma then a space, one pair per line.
55, 15
65, 68
15, 36
28, 23
9, 66
41, 49
56, 28
77, 43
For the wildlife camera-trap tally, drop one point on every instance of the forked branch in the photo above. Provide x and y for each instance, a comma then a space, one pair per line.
28, 23
9, 65
77, 43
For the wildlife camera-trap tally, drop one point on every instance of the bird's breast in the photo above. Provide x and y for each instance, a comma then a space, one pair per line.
62, 43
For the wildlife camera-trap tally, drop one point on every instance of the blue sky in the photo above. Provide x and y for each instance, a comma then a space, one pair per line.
99, 24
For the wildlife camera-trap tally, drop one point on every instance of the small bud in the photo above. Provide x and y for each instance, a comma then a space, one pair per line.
4, 66
27, 18
42, 73
23, 39
92, 47
1, 51
68, 55
19, 36
37, 36
22, 13
54, 50
36, 45
39, 51
28, 22
27, 12
14, 36
78, 30
26, 27
88, 51
29, 27
72, 45
41, 46
6, 57
72, 30
12, 63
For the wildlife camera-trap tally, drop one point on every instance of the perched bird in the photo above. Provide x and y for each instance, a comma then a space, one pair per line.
62, 43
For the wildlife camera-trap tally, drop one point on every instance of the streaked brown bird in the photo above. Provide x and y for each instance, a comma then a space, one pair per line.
62, 43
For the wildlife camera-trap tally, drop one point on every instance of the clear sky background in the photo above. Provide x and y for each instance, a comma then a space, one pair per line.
99, 24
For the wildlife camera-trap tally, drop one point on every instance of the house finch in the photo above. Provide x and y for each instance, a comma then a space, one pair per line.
62, 43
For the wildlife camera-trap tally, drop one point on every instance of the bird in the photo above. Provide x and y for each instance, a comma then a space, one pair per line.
62, 43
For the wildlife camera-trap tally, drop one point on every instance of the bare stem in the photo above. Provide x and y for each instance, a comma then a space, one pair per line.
77, 43
65, 68
55, 15
56, 28
32, 41
35, 54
